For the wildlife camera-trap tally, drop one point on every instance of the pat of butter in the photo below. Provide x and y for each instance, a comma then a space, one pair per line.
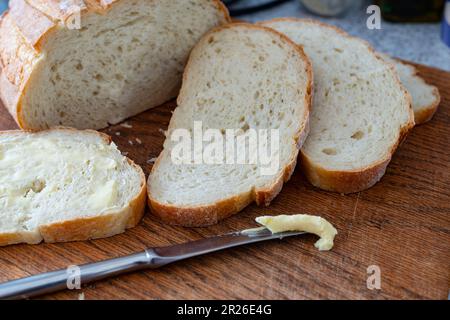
105, 196
302, 222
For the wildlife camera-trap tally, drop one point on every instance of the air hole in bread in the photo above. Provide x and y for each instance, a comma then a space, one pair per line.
38, 186
358, 135
79, 66
330, 151
245, 127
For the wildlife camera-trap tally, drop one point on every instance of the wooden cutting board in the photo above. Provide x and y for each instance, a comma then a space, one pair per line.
402, 225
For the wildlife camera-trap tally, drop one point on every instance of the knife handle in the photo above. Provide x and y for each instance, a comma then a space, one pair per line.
74, 277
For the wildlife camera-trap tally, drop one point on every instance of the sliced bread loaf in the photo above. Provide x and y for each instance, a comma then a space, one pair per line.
425, 97
240, 78
88, 64
65, 185
360, 114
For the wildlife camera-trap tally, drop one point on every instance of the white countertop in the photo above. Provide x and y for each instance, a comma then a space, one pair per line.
420, 42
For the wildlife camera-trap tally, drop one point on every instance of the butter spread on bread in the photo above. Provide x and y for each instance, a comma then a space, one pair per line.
65, 185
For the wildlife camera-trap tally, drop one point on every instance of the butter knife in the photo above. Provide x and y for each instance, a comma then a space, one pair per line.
150, 258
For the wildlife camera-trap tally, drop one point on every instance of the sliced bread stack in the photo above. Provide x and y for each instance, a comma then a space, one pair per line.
239, 77
361, 111
65, 185
88, 64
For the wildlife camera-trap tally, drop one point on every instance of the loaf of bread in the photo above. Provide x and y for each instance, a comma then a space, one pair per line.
246, 79
64, 185
360, 114
88, 64
425, 97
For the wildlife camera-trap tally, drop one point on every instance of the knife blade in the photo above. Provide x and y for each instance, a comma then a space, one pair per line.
150, 258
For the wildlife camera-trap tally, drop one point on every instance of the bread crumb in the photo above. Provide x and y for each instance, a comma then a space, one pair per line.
117, 133
126, 125
81, 296
125, 153
139, 141
151, 161
130, 142
162, 131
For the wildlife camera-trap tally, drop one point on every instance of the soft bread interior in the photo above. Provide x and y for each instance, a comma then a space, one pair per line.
61, 175
425, 97
360, 107
117, 65
244, 78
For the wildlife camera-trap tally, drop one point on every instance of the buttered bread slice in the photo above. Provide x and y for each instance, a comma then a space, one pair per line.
65, 185
361, 111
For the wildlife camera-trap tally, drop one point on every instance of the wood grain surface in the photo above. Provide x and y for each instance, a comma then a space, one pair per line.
401, 225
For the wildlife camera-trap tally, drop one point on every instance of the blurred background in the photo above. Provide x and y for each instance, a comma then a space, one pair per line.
415, 30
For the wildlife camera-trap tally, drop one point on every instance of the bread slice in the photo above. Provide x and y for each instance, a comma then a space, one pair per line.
360, 114
425, 97
64, 185
239, 77
121, 58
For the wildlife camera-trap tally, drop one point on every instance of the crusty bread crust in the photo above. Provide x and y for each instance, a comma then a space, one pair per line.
426, 113
351, 181
348, 181
86, 228
36, 21
199, 216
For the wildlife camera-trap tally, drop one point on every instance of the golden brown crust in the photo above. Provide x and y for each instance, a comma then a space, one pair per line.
23, 31
7, 239
200, 216
85, 228
100, 226
350, 181
342, 181
32, 23
424, 115
223, 9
